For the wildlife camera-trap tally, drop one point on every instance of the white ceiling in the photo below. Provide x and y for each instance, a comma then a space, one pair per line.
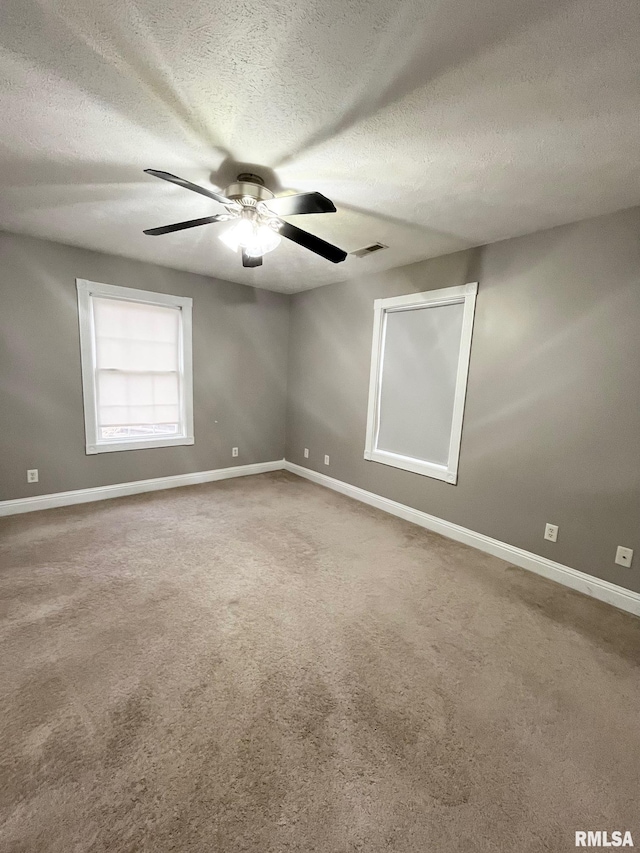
432, 124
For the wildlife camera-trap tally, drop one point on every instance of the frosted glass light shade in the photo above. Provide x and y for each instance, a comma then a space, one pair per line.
255, 239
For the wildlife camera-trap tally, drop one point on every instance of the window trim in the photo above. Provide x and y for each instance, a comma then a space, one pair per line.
86, 290
465, 294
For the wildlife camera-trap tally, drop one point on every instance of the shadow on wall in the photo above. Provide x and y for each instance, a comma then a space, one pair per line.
163, 279
542, 334
520, 334
242, 379
41, 315
338, 323
239, 367
228, 384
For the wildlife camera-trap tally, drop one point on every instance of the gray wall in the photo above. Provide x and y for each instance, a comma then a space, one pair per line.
552, 421
239, 352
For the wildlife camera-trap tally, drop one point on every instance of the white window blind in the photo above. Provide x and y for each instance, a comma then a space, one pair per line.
137, 350
136, 364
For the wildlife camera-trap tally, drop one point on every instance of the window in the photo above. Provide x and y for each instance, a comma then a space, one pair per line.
136, 367
419, 366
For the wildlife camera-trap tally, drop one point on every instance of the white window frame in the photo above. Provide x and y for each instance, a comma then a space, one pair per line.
465, 294
86, 291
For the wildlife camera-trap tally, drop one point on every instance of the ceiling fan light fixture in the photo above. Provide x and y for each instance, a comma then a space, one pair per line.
255, 238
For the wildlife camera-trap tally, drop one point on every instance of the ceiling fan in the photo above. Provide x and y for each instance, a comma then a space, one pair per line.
255, 213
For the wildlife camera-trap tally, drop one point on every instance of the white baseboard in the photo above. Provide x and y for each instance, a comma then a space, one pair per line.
612, 594
618, 596
119, 490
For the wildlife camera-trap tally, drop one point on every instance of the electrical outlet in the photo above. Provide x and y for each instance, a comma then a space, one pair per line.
234, 451
306, 453
624, 556
32, 475
551, 532
326, 460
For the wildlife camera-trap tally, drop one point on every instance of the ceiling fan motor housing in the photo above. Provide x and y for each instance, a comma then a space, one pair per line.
248, 190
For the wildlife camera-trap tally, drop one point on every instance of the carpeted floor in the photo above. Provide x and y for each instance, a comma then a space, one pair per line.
264, 665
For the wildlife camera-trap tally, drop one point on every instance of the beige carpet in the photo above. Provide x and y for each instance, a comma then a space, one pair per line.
263, 665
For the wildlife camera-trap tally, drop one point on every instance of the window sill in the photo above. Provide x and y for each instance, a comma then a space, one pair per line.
138, 444
416, 466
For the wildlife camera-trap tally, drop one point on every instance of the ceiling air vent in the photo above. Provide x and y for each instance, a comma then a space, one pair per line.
369, 250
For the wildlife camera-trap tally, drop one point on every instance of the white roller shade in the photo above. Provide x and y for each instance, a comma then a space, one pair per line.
137, 363
418, 382
419, 364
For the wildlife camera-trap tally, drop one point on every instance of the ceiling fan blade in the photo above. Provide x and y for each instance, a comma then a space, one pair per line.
180, 226
291, 205
181, 182
248, 261
310, 241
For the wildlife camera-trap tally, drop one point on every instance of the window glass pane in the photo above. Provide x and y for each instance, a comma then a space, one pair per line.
150, 415
418, 381
118, 389
115, 433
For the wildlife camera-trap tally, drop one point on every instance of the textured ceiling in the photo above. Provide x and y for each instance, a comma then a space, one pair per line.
432, 125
